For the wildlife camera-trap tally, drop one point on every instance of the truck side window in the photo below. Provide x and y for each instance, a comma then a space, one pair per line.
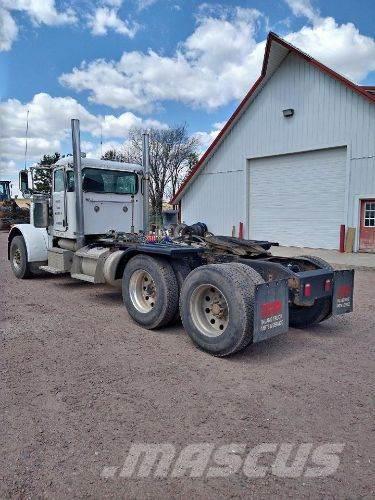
59, 184
70, 181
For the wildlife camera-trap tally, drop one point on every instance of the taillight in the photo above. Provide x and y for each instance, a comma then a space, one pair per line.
344, 291
269, 309
307, 290
327, 285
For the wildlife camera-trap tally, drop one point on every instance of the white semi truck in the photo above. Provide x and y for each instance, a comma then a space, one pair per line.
228, 292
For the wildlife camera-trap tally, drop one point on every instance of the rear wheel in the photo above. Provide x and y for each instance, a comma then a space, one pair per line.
18, 258
150, 291
320, 263
217, 307
253, 278
302, 317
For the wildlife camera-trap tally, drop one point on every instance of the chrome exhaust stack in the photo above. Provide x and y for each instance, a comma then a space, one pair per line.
76, 141
146, 177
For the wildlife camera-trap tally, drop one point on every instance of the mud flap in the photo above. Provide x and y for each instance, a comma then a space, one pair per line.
343, 286
271, 310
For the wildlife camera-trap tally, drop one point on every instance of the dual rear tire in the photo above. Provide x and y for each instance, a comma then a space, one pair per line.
215, 302
217, 307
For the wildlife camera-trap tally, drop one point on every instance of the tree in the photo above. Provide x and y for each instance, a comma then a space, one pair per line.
43, 177
172, 155
181, 171
112, 155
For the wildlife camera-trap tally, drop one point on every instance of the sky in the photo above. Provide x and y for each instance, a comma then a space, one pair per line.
115, 64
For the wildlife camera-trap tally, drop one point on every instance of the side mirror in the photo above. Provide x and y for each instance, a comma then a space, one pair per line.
24, 181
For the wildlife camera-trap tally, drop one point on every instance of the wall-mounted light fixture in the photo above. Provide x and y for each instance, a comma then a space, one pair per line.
288, 112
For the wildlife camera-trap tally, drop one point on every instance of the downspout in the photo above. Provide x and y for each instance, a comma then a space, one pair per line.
76, 141
146, 186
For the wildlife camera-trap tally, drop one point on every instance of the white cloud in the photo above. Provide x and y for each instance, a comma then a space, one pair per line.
7, 167
105, 18
212, 67
37, 147
144, 4
39, 12
341, 47
49, 129
8, 30
9, 172
303, 8
113, 3
218, 62
49, 117
206, 138
97, 150
119, 126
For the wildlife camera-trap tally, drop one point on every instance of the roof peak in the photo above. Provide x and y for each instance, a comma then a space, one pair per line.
271, 38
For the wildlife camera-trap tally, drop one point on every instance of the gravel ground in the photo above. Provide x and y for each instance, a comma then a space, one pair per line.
80, 382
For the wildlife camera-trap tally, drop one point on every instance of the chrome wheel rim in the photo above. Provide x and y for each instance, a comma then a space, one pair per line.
142, 291
17, 259
209, 310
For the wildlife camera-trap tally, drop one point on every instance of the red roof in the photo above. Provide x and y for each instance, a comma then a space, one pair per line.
368, 88
364, 91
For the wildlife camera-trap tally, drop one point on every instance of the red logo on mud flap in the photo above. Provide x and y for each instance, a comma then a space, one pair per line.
270, 309
344, 291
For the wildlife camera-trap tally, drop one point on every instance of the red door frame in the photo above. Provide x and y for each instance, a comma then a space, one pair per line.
366, 233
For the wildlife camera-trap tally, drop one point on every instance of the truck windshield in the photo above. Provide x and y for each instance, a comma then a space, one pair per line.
109, 181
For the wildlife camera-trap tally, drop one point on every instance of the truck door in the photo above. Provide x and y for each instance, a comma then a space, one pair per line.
59, 200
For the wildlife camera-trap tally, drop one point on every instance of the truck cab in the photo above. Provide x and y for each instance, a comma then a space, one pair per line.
112, 197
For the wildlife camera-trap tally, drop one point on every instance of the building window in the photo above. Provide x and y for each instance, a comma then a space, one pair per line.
370, 214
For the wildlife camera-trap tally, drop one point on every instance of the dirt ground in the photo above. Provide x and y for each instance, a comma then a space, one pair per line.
23, 203
80, 382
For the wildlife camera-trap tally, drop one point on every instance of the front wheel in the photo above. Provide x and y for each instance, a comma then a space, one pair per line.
18, 258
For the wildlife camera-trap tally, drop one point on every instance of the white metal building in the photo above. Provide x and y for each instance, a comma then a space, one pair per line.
293, 179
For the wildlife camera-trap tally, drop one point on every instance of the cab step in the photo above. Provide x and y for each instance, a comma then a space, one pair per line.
84, 277
53, 270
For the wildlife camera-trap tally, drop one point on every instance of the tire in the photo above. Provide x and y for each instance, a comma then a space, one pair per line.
18, 258
228, 291
318, 261
181, 270
156, 306
303, 317
254, 278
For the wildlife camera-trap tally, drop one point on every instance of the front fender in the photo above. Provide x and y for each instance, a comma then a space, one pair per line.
36, 240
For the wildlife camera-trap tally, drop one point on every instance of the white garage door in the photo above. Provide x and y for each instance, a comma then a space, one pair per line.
298, 199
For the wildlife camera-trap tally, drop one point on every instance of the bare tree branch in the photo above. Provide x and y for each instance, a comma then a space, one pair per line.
172, 155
